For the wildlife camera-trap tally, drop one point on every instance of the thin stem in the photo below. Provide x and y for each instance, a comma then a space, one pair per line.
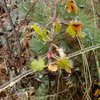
15, 80
86, 70
53, 95
52, 29
6, 39
83, 51
58, 82
95, 53
15, 32
10, 54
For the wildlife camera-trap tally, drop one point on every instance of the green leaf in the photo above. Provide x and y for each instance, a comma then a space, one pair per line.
37, 29
44, 34
38, 65
41, 32
65, 64
57, 27
70, 31
38, 47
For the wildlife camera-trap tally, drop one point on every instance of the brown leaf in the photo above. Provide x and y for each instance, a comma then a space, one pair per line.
71, 6
97, 92
52, 67
75, 29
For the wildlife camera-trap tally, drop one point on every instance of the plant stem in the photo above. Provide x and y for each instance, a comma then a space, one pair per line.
15, 80
10, 53
15, 32
52, 29
95, 53
86, 70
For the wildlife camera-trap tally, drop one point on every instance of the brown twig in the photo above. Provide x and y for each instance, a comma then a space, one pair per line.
52, 29
3, 28
7, 43
15, 32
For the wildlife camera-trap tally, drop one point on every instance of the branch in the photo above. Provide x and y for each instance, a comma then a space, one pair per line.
83, 51
15, 80
15, 32
10, 54
52, 29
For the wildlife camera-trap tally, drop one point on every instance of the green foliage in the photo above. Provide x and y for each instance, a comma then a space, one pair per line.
40, 11
24, 6
43, 88
71, 31
60, 39
38, 47
41, 32
65, 64
38, 65
57, 27
91, 31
